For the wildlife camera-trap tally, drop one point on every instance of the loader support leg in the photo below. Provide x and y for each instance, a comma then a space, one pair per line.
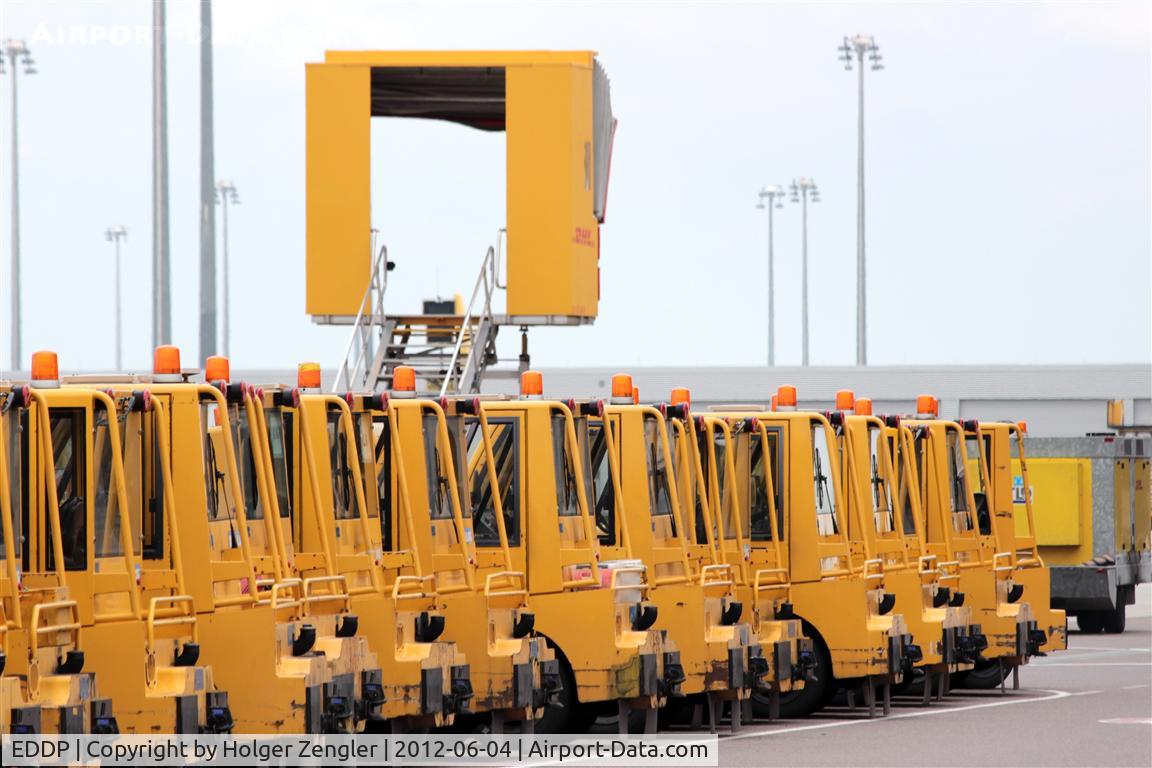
650, 715
713, 713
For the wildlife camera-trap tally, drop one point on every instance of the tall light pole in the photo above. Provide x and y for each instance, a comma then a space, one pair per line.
803, 190
115, 235
225, 194
13, 50
858, 47
161, 259
771, 197
208, 339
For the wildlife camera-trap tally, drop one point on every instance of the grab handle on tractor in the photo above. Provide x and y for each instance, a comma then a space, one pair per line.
874, 570
516, 577
294, 586
769, 581
929, 569
72, 627
641, 587
186, 617
338, 593
1002, 572
412, 588
719, 575
949, 570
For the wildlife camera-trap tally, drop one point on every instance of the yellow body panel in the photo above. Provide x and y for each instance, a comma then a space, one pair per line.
829, 588
588, 624
339, 187
552, 247
714, 655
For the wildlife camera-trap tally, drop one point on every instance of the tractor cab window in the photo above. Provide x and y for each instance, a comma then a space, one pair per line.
279, 437
659, 480
152, 477
598, 480
10, 431
907, 512
713, 456
68, 454
823, 487
567, 491
221, 505
880, 482
504, 434
957, 483
108, 537
382, 452
246, 459
764, 464
983, 493
340, 458
436, 470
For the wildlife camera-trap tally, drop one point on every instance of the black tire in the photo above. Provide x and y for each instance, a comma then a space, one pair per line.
815, 693
984, 676
570, 716
1114, 621
1090, 622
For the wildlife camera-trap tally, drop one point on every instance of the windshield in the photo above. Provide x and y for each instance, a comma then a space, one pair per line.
221, 505
603, 497
880, 481
504, 434
761, 523
14, 484
68, 432
957, 483
659, 480
279, 432
567, 490
822, 465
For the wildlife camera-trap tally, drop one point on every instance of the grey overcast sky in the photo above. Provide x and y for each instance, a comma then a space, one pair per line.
1008, 176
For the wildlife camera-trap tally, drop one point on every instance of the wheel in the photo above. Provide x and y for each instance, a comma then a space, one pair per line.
815, 692
1090, 622
985, 675
1114, 621
568, 715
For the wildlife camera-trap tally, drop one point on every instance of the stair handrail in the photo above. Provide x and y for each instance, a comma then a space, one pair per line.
483, 280
487, 279
353, 368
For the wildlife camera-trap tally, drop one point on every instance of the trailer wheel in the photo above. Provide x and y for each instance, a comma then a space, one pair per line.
815, 693
567, 715
986, 675
1090, 622
1114, 621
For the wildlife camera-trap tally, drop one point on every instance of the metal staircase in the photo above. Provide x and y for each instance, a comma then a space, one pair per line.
450, 353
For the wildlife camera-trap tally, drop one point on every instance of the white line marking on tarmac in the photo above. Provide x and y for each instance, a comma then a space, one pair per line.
1127, 721
1134, 687
1055, 694
1077, 648
1054, 664
1085, 693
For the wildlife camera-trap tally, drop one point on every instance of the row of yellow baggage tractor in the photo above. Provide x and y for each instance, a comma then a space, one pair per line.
191, 554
